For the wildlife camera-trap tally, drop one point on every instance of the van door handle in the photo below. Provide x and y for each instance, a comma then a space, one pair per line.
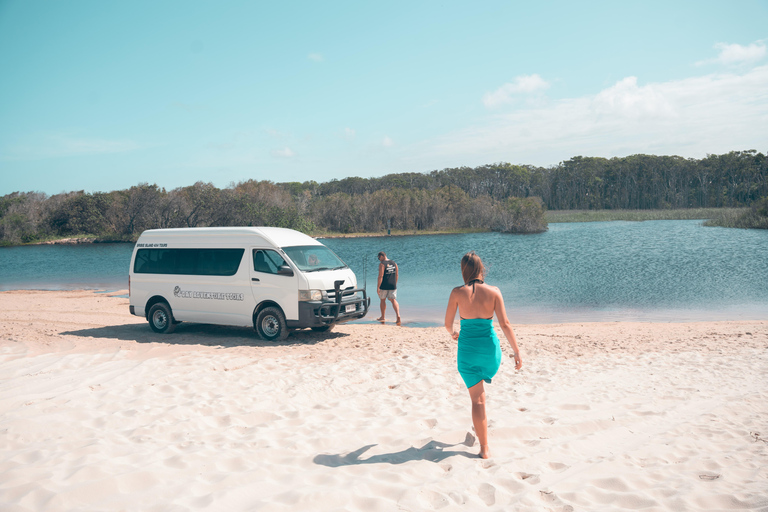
254, 279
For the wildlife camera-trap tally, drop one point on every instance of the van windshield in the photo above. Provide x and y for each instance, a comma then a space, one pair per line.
313, 258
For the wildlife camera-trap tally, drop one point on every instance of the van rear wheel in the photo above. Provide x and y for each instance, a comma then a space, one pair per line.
270, 324
161, 319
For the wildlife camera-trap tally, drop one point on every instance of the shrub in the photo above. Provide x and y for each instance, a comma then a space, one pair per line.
756, 217
516, 215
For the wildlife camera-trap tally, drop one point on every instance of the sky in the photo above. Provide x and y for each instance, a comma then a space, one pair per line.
102, 96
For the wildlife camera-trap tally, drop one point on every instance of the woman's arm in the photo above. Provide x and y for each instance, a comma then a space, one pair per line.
506, 326
450, 314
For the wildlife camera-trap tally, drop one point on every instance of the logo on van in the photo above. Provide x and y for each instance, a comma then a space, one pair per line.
185, 294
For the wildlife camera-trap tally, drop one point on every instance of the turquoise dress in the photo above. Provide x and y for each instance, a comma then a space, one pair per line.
479, 353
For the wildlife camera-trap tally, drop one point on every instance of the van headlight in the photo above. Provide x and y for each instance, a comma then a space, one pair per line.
311, 295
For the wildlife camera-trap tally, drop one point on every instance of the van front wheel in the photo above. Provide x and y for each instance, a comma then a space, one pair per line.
160, 318
270, 324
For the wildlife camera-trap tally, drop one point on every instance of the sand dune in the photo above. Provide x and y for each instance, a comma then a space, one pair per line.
99, 413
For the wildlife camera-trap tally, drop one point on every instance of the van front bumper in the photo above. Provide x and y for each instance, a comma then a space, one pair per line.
318, 314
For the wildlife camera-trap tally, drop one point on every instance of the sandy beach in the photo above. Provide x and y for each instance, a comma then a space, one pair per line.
99, 413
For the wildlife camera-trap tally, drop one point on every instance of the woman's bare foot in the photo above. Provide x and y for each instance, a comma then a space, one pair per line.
380, 319
485, 451
398, 320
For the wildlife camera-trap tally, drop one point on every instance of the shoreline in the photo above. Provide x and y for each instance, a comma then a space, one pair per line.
430, 319
618, 415
555, 217
87, 240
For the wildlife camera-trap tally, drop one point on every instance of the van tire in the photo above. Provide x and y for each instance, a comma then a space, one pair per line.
323, 328
161, 319
270, 324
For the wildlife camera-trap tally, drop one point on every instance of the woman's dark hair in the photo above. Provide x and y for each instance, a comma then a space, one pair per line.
472, 267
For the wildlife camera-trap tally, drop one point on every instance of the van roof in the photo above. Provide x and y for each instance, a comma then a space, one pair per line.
280, 237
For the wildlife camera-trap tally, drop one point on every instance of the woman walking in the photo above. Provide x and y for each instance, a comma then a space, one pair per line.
479, 353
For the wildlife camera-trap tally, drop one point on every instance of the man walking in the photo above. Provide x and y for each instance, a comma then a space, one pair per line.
387, 285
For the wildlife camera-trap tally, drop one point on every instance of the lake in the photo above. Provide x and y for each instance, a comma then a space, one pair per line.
596, 271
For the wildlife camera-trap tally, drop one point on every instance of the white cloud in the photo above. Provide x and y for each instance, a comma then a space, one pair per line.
316, 57
525, 84
735, 54
387, 142
349, 133
714, 113
286, 152
55, 146
627, 99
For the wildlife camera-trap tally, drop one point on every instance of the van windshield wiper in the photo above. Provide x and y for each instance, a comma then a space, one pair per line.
319, 269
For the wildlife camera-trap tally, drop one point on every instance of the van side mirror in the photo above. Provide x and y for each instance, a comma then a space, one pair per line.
284, 270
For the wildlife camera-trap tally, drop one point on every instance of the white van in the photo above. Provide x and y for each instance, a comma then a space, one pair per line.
273, 279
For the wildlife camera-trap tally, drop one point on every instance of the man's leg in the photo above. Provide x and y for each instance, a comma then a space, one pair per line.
383, 310
396, 306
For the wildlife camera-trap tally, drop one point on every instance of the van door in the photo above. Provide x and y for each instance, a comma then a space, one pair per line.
268, 284
213, 286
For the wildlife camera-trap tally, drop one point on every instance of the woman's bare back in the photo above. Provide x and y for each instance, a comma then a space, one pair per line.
476, 301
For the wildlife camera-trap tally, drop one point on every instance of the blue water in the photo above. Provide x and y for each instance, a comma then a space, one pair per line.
597, 271
65, 267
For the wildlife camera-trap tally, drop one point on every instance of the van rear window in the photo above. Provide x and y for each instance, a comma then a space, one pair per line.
196, 262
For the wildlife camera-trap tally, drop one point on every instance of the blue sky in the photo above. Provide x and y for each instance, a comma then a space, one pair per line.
100, 96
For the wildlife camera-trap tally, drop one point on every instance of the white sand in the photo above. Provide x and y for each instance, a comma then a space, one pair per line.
99, 413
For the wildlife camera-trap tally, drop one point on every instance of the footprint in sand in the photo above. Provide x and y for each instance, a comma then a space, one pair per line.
430, 423
611, 484
550, 497
558, 466
528, 478
648, 413
433, 500
175, 462
487, 493
97, 423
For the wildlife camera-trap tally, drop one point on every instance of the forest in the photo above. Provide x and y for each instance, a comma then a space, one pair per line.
500, 197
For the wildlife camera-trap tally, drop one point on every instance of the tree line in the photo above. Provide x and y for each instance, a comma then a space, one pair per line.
501, 197
636, 182
122, 215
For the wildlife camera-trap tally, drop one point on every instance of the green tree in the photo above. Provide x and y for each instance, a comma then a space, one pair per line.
82, 213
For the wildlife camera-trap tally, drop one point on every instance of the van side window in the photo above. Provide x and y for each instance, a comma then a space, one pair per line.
197, 262
267, 261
